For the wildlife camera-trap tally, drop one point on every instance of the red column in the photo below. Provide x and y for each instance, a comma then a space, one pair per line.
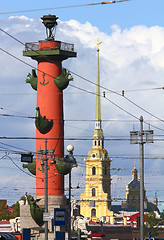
50, 103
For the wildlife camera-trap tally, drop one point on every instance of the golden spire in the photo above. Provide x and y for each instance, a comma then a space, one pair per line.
134, 164
98, 44
98, 132
98, 103
134, 171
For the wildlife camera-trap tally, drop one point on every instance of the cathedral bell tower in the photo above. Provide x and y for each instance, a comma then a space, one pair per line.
95, 202
133, 191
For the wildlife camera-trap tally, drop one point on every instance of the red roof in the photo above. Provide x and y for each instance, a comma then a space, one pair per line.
4, 222
133, 218
97, 235
92, 222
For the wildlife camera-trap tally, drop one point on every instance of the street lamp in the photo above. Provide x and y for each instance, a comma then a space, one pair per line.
71, 162
134, 140
44, 156
64, 166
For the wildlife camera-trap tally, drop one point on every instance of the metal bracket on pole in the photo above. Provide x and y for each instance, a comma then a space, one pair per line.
134, 140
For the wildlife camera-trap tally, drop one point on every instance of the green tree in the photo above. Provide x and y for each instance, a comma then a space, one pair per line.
4, 213
29, 197
152, 224
16, 207
162, 217
16, 210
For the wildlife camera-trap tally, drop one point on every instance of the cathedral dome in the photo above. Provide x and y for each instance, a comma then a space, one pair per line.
134, 185
134, 171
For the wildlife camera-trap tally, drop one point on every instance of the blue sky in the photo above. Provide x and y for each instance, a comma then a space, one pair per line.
124, 14
131, 58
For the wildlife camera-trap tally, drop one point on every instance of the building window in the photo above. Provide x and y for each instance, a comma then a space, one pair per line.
93, 171
92, 203
93, 192
98, 142
93, 212
95, 143
105, 171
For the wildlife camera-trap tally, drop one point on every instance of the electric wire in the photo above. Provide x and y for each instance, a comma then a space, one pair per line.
61, 130
143, 109
119, 107
80, 161
9, 110
134, 115
19, 167
67, 93
145, 89
75, 120
7, 155
71, 138
8, 145
111, 91
92, 83
20, 60
63, 7
130, 113
17, 116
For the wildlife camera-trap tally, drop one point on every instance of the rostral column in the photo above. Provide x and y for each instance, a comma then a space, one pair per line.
49, 83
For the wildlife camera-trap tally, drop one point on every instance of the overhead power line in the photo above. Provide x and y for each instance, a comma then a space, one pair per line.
111, 91
62, 7
72, 138
145, 89
84, 79
87, 90
19, 167
8, 145
76, 120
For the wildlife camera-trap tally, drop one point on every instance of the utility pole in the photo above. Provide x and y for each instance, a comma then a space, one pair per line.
134, 140
46, 190
44, 156
141, 179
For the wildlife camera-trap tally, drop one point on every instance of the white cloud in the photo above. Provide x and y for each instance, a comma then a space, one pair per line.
130, 59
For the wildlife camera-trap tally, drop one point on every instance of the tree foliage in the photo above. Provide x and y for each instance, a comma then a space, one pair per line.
16, 210
152, 224
4, 209
4, 213
162, 217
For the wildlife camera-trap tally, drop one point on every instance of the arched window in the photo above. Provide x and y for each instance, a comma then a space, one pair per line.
95, 143
93, 171
93, 212
98, 142
93, 192
105, 171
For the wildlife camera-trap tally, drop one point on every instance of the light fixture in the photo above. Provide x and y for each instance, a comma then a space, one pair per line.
50, 22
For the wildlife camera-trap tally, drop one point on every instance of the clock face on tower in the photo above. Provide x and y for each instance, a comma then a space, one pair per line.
93, 155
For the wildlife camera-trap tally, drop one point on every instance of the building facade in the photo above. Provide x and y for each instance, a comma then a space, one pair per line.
133, 191
95, 202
